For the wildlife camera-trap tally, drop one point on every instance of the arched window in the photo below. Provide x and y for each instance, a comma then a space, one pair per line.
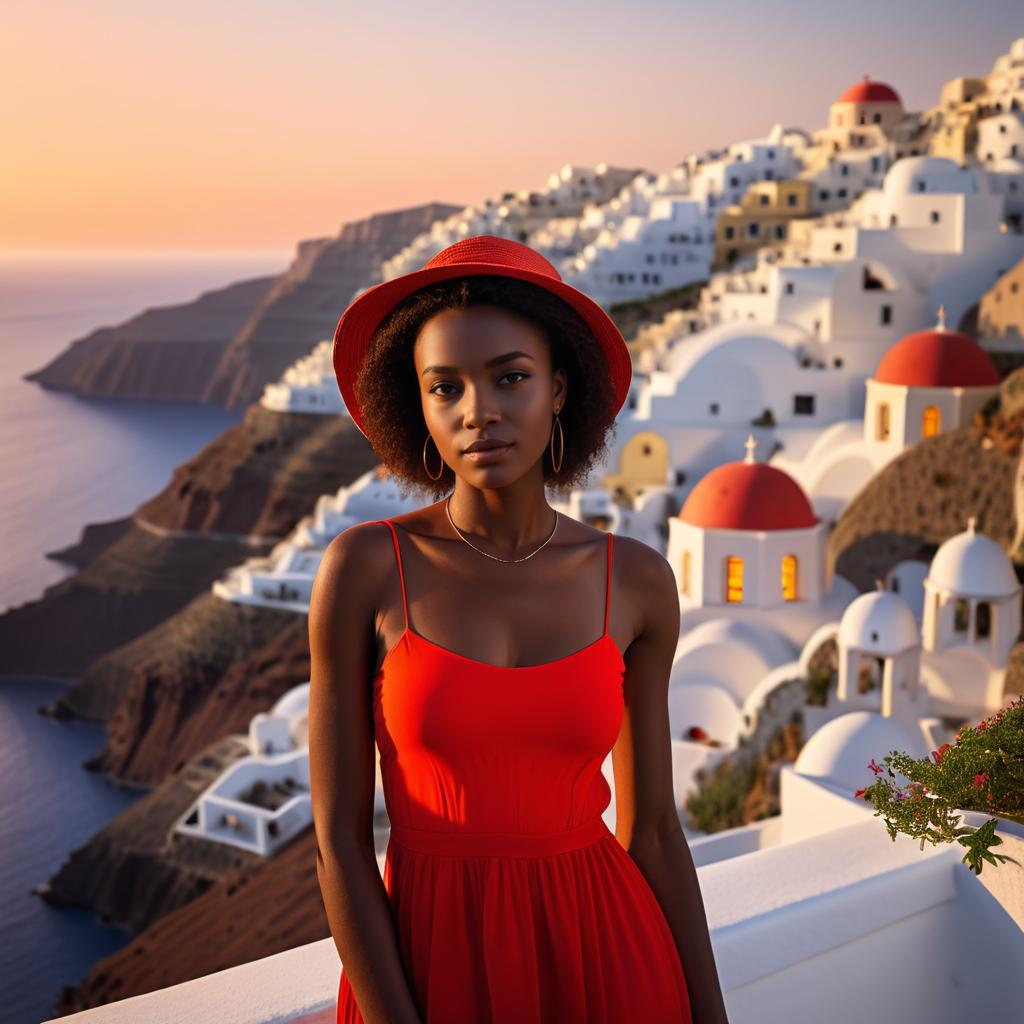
931, 421
734, 579
882, 433
961, 615
789, 578
685, 588
983, 619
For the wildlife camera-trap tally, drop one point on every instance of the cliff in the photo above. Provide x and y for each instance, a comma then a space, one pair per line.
175, 690
234, 499
224, 346
304, 304
133, 871
164, 353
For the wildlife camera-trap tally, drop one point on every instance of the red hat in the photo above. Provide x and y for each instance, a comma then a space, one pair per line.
469, 257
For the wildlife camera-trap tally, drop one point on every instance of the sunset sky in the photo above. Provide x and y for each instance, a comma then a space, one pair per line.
251, 125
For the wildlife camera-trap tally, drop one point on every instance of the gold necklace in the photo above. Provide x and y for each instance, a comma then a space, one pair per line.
489, 555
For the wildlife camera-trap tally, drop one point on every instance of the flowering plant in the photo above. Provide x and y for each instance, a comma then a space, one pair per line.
982, 771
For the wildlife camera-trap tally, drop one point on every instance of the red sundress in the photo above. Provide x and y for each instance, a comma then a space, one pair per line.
513, 901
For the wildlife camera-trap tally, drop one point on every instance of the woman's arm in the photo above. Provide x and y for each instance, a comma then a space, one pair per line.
342, 777
647, 822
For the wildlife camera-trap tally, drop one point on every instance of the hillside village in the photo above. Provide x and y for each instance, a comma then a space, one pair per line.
854, 306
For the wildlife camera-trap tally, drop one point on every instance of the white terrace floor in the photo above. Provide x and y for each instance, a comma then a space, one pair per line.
844, 927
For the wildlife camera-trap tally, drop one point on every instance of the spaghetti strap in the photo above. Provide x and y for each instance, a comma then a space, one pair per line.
608, 585
401, 573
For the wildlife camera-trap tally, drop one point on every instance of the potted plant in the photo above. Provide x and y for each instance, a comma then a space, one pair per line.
982, 771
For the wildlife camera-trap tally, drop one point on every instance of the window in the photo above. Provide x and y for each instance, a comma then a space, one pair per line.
733, 579
870, 282
765, 199
734, 182
920, 186
789, 288
844, 170
789, 578
824, 194
874, 163
791, 199
803, 405
685, 586
769, 175
886, 314
841, 193
837, 247
882, 422
892, 220
649, 257
753, 230
770, 154
713, 408
780, 230
961, 615
931, 421
817, 327
877, 119
935, 216
982, 620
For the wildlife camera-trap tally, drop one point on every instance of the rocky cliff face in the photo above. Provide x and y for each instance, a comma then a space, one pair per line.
304, 304
254, 911
255, 481
164, 353
227, 344
178, 688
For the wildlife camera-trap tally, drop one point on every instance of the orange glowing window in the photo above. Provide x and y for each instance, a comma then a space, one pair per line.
789, 577
686, 573
931, 421
734, 579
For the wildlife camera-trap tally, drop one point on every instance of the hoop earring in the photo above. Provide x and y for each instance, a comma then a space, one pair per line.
426, 441
561, 447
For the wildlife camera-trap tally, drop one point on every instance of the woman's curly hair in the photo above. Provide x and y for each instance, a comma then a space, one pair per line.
389, 394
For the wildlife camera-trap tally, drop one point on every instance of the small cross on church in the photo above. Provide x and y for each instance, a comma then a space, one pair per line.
750, 445
971, 523
942, 319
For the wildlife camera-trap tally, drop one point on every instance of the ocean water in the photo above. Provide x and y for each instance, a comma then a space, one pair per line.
65, 462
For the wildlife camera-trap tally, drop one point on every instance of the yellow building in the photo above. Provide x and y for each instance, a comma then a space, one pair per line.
761, 218
1001, 310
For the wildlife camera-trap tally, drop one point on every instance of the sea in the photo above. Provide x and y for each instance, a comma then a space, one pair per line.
67, 461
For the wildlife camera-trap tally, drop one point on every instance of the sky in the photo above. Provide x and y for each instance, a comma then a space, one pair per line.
133, 125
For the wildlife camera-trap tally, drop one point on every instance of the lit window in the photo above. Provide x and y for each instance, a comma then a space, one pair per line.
734, 579
789, 578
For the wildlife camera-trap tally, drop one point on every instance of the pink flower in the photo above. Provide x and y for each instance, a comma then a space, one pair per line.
860, 793
940, 753
982, 725
980, 780
876, 768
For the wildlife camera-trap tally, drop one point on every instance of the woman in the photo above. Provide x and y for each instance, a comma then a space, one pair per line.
443, 635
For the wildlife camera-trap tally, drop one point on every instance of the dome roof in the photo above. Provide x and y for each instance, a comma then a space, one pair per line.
840, 750
914, 175
868, 91
937, 358
748, 495
880, 622
971, 564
